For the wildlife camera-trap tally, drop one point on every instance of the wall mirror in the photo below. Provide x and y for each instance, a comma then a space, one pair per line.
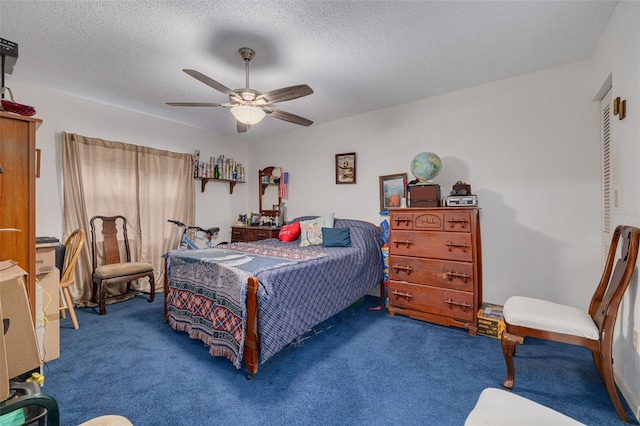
269, 195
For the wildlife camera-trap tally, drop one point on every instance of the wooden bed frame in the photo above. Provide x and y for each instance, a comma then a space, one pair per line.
251, 353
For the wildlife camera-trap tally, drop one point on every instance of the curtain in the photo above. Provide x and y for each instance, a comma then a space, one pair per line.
148, 186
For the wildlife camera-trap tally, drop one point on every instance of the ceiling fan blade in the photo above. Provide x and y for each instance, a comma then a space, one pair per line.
287, 116
284, 94
242, 128
194, 104
212, 83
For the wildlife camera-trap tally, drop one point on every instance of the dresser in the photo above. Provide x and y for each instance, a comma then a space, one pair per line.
252, 233
435, 265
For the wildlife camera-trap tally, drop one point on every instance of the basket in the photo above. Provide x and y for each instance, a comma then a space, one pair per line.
12, 106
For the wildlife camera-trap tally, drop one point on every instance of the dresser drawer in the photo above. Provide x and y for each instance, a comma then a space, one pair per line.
436, 245
457, 221
244, 235
439, 273
240, 234
402, 220
434, 300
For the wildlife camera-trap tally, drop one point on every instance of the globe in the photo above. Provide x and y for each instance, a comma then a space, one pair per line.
425, 166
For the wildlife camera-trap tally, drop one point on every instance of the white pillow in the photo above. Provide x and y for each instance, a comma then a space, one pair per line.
311, 230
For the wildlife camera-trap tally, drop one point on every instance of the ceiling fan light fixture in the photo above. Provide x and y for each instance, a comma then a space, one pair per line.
247, 114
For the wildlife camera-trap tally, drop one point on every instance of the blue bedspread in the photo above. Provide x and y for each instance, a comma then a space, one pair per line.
299, 288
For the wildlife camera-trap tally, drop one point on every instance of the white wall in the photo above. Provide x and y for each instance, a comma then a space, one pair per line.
61, 112
618, 57
530, 148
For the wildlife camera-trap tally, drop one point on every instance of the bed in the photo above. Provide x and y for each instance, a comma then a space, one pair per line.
247, 301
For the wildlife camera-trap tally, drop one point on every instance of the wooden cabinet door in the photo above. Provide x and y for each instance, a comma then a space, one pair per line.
17, 194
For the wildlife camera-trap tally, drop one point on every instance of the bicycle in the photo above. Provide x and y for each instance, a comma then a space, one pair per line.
189, 234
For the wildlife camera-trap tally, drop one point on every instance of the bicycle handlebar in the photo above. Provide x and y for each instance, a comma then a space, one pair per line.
209, 231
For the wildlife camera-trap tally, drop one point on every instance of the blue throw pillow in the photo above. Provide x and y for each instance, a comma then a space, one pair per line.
336, 237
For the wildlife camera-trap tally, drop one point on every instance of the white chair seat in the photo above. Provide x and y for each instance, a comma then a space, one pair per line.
109, 420
497, 407
549, 316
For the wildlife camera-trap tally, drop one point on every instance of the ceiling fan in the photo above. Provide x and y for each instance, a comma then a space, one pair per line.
249, 106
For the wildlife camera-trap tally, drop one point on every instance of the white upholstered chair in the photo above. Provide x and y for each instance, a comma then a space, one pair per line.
497, 407
528, 317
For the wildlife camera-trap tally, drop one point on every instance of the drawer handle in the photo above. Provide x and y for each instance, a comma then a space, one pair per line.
407, 269
463, 277
407, 242
452, 222
451, 246
463, 305
398, 294
406, 220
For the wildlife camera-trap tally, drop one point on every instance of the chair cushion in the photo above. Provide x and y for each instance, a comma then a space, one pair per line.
549, 316
497, 407
108, 420
121, 269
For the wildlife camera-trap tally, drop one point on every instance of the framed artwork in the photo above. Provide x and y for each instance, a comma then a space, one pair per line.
346, 168
393, 188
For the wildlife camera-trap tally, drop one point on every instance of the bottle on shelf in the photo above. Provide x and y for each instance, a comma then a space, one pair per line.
196, 161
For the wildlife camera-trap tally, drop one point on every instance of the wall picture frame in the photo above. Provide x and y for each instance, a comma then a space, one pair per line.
346, 168
393, 188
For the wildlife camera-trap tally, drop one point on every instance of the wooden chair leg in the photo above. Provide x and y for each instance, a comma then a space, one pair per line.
152, 286
102, 302
63, 314
607, 373
94, 292
598, 362
509, 342
72, 312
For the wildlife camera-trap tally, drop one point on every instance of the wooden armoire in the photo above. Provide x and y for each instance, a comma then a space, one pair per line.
19, 168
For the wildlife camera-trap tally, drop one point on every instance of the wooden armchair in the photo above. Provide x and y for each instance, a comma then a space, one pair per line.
110, 269
527, 317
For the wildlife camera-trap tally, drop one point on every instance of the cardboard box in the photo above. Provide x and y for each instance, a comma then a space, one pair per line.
19, 345
50, 284
4, 372
490, 320
51, 342
45, 258
48, 331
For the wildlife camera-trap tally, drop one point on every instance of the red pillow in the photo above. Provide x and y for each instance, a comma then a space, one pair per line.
289, 232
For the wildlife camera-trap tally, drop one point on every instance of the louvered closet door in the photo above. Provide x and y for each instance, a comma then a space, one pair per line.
608, 193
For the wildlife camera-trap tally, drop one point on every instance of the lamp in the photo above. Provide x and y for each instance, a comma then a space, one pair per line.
247, 114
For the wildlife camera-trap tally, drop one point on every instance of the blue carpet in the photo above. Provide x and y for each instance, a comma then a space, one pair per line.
360, 367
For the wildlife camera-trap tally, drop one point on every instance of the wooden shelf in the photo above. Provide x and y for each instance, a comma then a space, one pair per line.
232, 183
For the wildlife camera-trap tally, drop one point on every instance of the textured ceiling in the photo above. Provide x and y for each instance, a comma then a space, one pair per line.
358, 56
